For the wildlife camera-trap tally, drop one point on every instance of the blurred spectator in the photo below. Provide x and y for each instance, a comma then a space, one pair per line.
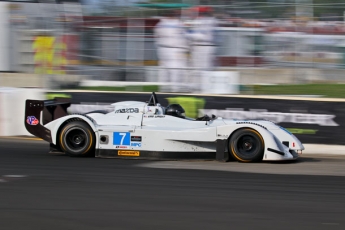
172, 49
202, 40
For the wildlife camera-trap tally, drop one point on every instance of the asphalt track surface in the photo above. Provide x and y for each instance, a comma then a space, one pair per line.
45, 191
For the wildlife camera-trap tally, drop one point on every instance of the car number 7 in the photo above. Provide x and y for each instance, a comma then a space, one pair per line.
122, 138
123, 135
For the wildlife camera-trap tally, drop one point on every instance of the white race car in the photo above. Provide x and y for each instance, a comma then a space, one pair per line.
148, 130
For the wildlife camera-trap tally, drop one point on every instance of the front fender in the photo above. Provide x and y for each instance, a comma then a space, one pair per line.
273, 150
54, 126
288, 138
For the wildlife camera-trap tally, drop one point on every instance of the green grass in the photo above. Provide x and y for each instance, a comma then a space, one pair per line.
135, 88
323, 90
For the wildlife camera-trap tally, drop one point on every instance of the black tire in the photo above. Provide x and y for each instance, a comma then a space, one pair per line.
77, 139
246, 145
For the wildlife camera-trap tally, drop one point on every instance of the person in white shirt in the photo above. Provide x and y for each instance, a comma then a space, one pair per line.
172, 47
202, 41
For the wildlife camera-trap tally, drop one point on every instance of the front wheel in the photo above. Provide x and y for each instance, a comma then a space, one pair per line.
246, 145
77, 139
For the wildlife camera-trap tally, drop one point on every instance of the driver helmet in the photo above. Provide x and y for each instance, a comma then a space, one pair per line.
175, 110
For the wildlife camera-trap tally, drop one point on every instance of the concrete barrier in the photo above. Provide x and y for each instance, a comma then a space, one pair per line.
323, 149
246, 76
12, 108
220, 82
27, 80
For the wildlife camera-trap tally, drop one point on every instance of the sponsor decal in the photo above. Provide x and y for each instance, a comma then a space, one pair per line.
32, 120
124, 140
136, 144
136, 138
156, 116
128, 110
128, 153
298, 118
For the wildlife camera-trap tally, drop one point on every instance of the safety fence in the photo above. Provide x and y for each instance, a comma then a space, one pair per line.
119, 45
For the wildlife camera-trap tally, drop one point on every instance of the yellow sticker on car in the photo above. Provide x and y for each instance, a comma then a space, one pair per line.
128, 153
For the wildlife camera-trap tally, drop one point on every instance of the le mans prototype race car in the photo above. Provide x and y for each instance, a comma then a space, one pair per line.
148, 130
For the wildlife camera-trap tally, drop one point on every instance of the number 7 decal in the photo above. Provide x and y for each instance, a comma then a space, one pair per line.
122, 138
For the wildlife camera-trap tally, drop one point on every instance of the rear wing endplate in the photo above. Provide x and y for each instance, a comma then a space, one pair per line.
40, 112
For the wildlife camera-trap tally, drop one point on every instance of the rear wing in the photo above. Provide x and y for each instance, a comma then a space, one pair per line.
40, 112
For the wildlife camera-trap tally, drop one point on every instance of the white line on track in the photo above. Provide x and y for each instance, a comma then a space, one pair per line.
7, 178
14, 176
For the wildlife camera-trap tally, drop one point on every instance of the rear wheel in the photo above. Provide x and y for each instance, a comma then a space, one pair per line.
77, 139
246, 145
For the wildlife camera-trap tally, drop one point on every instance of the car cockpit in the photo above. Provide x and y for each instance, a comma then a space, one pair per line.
176, 110
153, 107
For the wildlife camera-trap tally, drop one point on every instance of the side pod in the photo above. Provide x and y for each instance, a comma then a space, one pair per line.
35, 120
